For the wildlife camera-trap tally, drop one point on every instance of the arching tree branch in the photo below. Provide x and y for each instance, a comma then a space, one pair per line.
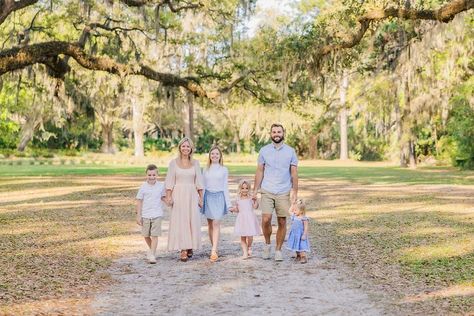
9, 6
48, 54
186, 6
173, 6
118, 28
444, 14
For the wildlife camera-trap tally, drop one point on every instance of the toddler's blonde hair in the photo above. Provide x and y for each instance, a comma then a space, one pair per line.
300, 206
241, 183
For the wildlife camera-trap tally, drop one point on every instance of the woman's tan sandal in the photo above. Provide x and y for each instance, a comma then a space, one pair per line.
184, 256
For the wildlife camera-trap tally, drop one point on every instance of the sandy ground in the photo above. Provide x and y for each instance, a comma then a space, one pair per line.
231, 286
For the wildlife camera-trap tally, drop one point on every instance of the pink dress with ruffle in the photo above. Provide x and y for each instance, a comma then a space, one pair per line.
246, 223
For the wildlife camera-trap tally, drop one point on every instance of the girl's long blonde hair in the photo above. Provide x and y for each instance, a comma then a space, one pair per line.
191, 144
221, 159
241, 183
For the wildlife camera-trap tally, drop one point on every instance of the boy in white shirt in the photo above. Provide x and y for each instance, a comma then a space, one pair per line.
150, 210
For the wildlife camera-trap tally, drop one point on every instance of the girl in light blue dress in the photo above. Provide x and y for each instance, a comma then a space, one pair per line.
298, 237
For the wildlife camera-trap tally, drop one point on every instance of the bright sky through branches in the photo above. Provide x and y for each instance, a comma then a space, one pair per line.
266, 8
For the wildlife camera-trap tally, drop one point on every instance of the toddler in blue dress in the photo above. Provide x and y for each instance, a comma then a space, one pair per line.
298, 237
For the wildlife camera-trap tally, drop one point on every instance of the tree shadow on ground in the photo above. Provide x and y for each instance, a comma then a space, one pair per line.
407, 242
53, 246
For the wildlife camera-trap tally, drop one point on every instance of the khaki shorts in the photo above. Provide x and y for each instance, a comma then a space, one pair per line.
151, 227
280, 203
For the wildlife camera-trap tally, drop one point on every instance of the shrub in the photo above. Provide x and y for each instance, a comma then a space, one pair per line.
160, 144
9, 131
70, 152
20, 154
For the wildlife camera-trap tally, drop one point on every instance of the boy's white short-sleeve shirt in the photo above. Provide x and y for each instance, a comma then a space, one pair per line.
151, 195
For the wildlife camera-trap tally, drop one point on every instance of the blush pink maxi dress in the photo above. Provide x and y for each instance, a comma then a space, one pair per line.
185, 219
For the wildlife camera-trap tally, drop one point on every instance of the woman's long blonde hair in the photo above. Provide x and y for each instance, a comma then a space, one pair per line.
221, 159
191, 144
241, 183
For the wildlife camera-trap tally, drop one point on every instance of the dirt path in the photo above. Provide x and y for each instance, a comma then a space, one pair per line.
231, 286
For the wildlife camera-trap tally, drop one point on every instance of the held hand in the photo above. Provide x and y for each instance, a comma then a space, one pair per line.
139, 220
233, 209
254, 196
200, 203
292, 209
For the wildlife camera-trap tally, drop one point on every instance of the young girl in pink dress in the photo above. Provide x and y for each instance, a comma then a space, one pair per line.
246, 223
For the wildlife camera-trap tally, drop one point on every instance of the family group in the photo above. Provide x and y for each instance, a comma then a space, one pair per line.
191, 192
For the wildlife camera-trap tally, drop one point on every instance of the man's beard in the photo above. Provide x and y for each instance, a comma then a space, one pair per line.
279, 140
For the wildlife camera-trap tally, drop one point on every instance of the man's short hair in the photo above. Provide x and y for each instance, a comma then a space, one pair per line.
277, 125
151, 167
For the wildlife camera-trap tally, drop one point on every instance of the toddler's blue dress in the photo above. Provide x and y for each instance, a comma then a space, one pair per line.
294, 242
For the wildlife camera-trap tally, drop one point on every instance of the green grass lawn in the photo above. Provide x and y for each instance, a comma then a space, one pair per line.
367, 175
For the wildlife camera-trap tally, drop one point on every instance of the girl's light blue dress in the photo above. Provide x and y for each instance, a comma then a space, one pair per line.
294, 242
214, 205
216, 200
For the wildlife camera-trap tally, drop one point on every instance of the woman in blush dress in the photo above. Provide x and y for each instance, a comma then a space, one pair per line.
184, 192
